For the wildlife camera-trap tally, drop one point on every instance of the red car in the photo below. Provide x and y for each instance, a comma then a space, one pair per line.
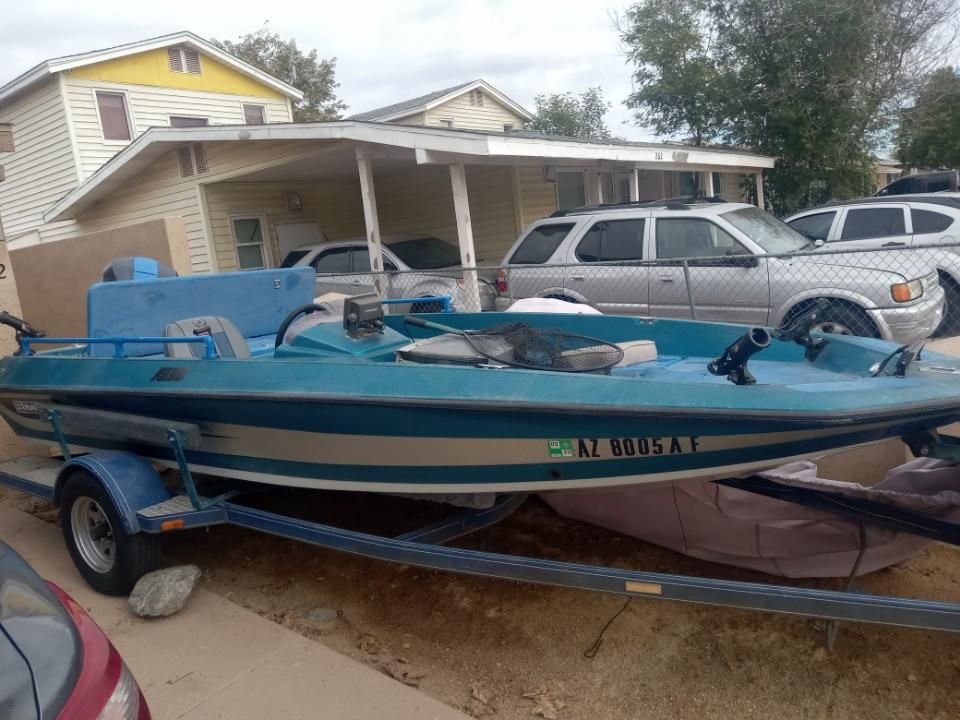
54, 660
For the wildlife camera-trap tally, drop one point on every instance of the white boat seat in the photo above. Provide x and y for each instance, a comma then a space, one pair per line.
226, 337
637, 351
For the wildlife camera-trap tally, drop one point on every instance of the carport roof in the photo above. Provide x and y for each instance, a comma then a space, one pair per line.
428, 145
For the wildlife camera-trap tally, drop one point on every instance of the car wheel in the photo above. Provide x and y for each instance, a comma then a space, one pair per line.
950, 323
110, 560
846, 320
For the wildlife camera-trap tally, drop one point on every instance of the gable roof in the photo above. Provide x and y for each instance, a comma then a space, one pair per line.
40, 72
438, 97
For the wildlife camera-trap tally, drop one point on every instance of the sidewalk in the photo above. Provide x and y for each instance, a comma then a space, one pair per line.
216, 660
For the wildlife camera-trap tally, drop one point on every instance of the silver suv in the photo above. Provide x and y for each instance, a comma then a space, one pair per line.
639, 259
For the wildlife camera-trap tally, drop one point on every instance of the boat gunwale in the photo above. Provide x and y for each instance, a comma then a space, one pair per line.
777, 415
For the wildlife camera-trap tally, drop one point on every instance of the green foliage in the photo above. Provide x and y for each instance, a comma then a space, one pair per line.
929, 133
312, 75
572, 116
811, 82
678, 83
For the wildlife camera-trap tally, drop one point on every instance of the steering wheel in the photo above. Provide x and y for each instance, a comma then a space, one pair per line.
288, 320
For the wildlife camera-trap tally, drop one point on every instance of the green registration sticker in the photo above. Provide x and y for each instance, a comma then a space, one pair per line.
560, 448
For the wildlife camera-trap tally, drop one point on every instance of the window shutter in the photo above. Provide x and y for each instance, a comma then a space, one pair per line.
6, 138
185, 161
200, 158
175, 59
191, 61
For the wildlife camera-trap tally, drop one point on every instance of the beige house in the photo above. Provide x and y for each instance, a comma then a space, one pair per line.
269, 188
474, 105
455, 164
63, 119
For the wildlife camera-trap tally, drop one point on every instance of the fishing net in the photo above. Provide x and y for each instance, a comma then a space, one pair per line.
521, 345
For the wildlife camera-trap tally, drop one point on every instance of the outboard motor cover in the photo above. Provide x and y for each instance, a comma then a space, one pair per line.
136, 268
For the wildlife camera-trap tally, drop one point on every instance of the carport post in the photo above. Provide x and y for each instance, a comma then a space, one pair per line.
708, 184
468, 258
759, 177
635, 185
371, 220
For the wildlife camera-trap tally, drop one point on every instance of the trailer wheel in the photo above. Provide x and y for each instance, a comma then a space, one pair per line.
110, 560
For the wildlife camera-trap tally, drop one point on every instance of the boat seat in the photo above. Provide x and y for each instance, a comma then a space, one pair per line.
227, 338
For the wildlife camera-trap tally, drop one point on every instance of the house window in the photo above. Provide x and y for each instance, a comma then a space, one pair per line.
717, 184
114, 120
508, 127
606, 188
687, 184
183, 60
192, 160
476, 98
446, 123
254, 115
181, 121
248, 236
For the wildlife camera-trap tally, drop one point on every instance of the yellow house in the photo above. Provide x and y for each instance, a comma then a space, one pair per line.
65, 118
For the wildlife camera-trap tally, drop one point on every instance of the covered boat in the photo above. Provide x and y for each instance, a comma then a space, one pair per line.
430, 404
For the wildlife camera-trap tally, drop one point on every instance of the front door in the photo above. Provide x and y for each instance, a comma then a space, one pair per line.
294, 234
728, 283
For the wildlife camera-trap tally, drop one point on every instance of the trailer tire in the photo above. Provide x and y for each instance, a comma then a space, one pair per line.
109, 559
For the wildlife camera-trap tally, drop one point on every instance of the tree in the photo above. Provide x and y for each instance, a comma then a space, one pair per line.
815, 83
676, 77
571, 116
929, 132
312, 75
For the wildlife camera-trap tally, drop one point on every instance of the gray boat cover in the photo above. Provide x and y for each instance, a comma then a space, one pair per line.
735, 527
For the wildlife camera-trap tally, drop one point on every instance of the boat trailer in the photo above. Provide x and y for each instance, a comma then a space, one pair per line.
127, 507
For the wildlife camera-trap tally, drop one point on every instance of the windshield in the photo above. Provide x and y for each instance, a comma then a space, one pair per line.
764, 229
426, 253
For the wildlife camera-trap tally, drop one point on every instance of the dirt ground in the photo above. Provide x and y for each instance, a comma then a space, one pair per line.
509, 650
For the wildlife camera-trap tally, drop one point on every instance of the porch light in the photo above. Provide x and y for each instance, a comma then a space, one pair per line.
294, 201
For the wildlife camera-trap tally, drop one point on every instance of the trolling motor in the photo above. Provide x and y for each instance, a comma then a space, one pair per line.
798, 330
22, 327
733, 362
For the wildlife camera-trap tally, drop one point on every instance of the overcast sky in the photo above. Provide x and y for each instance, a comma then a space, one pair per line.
386, 51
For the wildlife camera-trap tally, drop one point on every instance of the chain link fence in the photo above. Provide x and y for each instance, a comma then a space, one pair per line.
895, 293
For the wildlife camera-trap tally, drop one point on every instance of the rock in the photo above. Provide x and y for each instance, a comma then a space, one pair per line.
322, 616
163, 592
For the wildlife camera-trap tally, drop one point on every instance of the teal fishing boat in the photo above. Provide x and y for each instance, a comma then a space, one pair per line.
266, 391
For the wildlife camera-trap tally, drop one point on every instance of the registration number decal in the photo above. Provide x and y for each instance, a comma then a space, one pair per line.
623, 447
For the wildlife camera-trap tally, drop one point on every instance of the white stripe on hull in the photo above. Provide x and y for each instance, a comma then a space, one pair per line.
702, 474
274, 444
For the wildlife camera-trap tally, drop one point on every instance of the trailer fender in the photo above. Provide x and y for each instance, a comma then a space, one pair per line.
131, 482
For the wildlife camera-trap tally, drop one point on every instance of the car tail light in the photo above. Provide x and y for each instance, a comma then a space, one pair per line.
502, 286
105, 689
460, 282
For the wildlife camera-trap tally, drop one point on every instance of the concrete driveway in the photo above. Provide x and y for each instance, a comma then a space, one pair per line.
215, 659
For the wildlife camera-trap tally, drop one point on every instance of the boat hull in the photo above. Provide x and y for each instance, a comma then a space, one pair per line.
467, 447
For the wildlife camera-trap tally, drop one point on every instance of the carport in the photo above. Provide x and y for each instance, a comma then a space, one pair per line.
352, 179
